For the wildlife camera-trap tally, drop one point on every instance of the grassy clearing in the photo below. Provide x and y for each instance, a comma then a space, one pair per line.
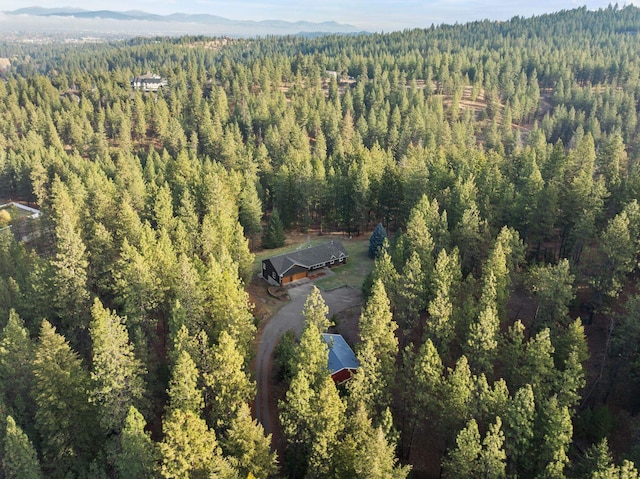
355, 271
352, 274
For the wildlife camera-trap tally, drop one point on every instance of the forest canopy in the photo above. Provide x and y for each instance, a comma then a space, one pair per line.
501, 159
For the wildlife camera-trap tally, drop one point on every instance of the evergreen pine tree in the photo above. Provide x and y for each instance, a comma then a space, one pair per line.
19, 458
519, 431
325, 424
250, 208
315, 310
295, 414
446, 278
312, 355
228, 384
554, 432
368, 387
189, 448
462, 462
472, 459
424, 383
16, 374
377, 331
227, 304
69, 264
376, 240
116, 373
365, 452
411, 294
248, 449
64, 417
184, 393
273, 236
138, 455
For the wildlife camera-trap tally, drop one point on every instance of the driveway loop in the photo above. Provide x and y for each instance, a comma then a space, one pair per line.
289, 318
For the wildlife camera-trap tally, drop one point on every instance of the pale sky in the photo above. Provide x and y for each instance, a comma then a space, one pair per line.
377, 15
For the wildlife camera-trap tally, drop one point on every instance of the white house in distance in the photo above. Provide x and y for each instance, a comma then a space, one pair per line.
34, 212
148, 82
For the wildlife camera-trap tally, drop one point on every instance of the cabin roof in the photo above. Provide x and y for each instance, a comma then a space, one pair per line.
341, 356
309, 257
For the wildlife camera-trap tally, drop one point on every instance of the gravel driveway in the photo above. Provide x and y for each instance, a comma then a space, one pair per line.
289, 318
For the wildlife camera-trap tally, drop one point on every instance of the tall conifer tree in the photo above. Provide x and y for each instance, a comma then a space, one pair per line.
116, 374
273, 236
65, 418
19, 458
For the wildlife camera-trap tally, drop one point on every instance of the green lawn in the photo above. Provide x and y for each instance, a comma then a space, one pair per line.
353, 273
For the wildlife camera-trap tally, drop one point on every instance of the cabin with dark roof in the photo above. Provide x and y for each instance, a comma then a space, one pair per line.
342, 360
288, 267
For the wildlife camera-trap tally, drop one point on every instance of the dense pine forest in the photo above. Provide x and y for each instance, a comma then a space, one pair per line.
499, 334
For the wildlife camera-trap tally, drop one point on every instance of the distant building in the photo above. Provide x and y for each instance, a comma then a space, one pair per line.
297, 265
149, 82
31, 213
71, 94
342, 360
22, 221
5, 64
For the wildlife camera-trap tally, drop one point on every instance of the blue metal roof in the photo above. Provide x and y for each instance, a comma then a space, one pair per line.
341, 356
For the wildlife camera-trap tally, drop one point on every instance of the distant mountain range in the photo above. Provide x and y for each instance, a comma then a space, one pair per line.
137, 22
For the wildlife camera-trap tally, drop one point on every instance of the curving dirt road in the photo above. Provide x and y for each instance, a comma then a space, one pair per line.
289, 318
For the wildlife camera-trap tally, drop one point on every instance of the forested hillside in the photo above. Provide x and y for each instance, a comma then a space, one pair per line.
503, 159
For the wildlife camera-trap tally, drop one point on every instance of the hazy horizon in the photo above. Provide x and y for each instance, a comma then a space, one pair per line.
372, 15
